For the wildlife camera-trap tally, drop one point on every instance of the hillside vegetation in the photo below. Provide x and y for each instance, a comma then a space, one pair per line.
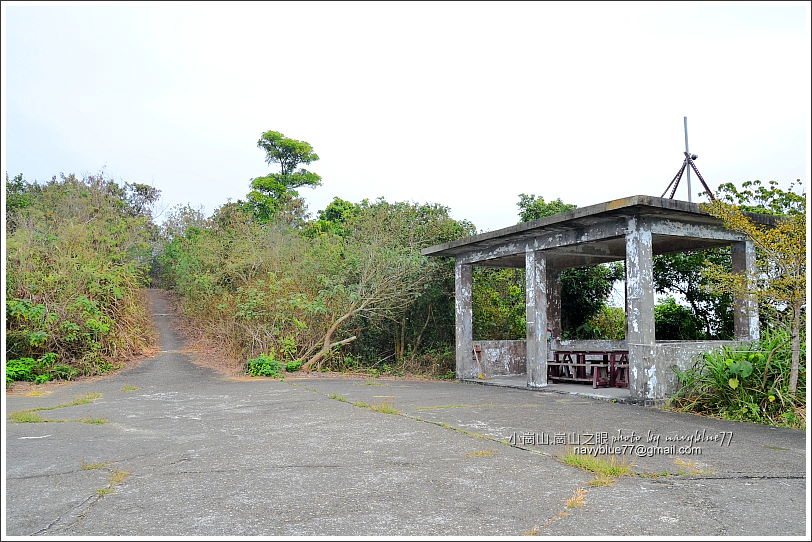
78, 254
278, 290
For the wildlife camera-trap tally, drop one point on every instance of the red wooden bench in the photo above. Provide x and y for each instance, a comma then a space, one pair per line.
611, 369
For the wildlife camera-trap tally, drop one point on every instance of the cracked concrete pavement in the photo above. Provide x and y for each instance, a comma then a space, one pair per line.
207, 455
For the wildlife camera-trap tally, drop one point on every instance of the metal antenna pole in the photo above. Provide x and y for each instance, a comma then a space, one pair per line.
688, 154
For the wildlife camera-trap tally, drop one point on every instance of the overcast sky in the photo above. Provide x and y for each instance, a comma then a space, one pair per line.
463, 104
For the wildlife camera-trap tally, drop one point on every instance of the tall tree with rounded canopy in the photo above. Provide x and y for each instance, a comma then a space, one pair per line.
273, 191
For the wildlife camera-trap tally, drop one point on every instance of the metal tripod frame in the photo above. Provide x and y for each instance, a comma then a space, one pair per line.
689, 160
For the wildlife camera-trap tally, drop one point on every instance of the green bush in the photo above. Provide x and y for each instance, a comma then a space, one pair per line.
608, 323
745, 383
20, 369
673, 321
264, 365
78, 253
293, 366
271, 287
40, 370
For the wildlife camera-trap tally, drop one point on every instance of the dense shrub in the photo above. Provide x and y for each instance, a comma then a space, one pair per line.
264, 365
748, 384
78, 254
673, 321
608, 323
40, 370
313, 295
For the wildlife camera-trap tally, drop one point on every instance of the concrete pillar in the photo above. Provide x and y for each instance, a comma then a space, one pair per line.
643, 375
554, 301
745, 308
536, 276
464, 321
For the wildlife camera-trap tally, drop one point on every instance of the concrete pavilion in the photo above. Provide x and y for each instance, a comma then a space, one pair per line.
633, 230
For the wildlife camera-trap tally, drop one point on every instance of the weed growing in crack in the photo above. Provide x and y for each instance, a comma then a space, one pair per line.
689, 467
93, 466
25, 416
612, 467
578, 499
118, 477
384, 408
481, 453
440, 407
602, 481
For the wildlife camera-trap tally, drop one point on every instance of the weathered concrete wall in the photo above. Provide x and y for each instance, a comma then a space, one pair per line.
589, 345
503, 357
679, 354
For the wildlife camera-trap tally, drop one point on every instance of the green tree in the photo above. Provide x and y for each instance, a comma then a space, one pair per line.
609, 323
583, 290
780, 277
684, 273
499, 303
673, 321
334, 218
426, 322
305, 296
532, 207
269, 194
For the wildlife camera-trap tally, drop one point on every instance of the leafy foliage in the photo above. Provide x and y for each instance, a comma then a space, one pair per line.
583, 290
40, 370
780, 278
532, 207
583, 294
685, 273
499, 303
264, 365
608, 323
711, 313
675, 322
306, 294
269, 194
78, 254
749, 383
768, 199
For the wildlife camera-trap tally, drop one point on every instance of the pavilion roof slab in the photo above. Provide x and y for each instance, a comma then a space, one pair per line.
593, 217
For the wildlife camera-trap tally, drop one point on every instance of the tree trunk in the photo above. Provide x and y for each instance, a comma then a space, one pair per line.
796, 347
326, 345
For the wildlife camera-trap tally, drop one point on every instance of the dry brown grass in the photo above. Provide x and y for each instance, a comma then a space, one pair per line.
481, 453
578, 499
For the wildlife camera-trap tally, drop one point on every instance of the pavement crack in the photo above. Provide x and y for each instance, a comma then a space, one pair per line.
735, 476
33, 476
87, 503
